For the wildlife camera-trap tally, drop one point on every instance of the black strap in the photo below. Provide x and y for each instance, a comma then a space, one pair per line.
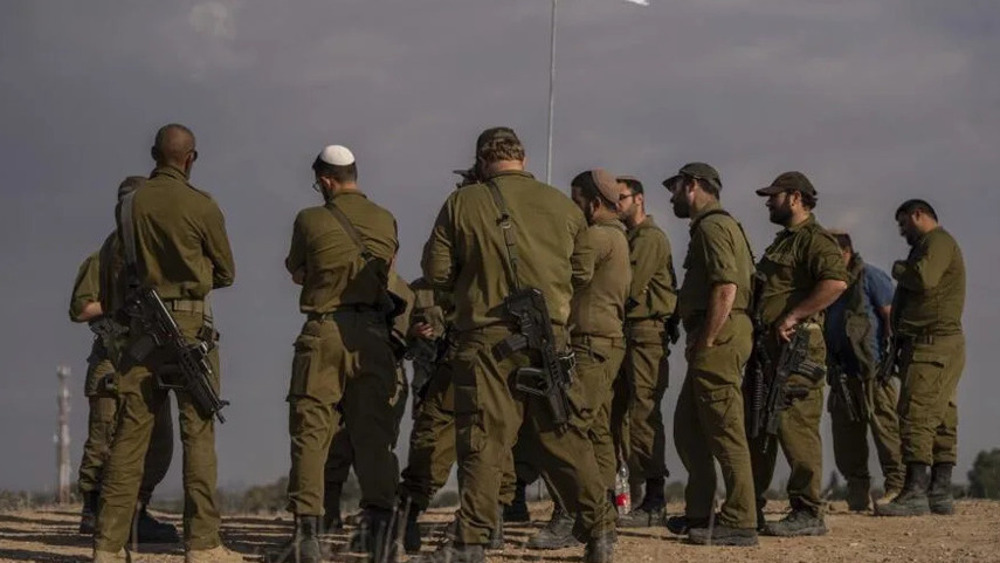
348, 228
508, 232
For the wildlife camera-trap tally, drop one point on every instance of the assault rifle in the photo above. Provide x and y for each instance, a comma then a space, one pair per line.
108, 331
188, 367
794, 359
469, 176
842, 394
552, 379
425, 355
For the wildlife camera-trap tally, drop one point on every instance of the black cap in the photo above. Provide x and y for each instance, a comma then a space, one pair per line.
793, 181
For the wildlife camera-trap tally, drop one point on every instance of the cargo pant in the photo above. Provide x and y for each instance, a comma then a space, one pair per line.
798, 434
598, 360
489, 414
645, 375
341, 456
709, 425
850, 438
432, 441
343, 372
101, 430
140, 401
928, 411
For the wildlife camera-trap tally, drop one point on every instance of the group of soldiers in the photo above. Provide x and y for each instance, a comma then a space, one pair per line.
539, 336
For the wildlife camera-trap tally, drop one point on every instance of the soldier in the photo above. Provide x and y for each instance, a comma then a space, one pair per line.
650, 326
803, 273
708, 421
341, 455
856, 329
927, 314
343, 369
182, 251
489, 241
596, 316
86, 306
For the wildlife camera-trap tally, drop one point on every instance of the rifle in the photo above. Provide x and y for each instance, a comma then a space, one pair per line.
190, 361
109, 332
552, 379
469, 176
425, 355
756, 375
837, 379
794, 359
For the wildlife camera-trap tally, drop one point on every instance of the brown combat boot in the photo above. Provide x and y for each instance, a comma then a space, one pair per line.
913, 500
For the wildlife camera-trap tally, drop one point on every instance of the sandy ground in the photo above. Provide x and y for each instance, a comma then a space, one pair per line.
973, 534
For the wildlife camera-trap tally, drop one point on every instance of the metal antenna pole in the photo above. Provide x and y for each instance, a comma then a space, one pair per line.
62, 438
552, 94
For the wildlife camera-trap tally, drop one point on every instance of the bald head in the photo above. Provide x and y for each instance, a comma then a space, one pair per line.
174, 146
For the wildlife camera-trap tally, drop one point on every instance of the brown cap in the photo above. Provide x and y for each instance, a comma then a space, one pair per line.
701, 171
793, 181
129, 185
601, 181
632, 182
495, 133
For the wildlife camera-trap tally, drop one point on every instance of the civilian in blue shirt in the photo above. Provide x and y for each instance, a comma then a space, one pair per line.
857, 328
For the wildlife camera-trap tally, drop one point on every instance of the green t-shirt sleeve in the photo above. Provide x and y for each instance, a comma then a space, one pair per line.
438, 261
296, 259
85, 287
216, 245
583, 257
719, 254
825, 260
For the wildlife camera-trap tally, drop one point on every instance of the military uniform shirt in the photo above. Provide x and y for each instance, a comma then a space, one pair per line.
86, 287
336, 274
598, 309
653, 282
467, 257
717, 254
931, 283
181, 243
798, 259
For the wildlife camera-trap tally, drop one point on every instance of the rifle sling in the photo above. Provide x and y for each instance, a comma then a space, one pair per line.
507, 227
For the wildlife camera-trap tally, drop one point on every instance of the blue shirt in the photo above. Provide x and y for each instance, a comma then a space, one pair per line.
878, 294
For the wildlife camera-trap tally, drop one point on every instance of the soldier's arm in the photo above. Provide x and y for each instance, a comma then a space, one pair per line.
649, 253
216, 246
439, 262
826, 266
584, 252
295, 262
924, 270
85, 296
719, 254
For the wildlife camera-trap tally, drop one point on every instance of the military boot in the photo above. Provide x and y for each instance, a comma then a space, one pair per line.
720, 534
681, 525
332, 520
151, 530
376, 535
650, 512
304, 546
600, 549
110, 557
215, 555
939, 496
517, 511
88, 515
858, 494
798, 522
454, 553
557, 534
411, 530
913, 500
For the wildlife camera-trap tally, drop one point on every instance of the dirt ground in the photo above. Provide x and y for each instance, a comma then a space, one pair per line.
973, 534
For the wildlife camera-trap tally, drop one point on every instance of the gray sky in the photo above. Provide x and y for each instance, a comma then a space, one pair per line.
875, 101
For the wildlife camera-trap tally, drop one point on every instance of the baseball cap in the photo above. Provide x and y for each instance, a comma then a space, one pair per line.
701, 171
789, 182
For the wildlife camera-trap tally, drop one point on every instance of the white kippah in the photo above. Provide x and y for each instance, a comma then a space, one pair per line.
337, 155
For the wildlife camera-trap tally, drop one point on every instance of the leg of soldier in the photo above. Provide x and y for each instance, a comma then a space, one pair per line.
138, 400
798, 434
689, 439
648, 378
929, 380
432, 442
339, 458
885, 431
763, 456
598, 362
620, 399
367, 407
160, 452
100, 427
946, 435
487, 418
850, 450
399, 399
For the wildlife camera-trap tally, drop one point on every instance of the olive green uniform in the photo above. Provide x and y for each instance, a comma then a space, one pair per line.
183, 252
99, 389
341, 456
709, 421
877, 400
343, 370
466, 256
800, 257
930, 297
645, 372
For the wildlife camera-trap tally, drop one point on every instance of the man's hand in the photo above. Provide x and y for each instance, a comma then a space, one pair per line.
422, 330
786, 328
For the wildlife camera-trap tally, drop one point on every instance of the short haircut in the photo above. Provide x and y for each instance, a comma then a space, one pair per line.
808, 199
500, 148
843, 241
342, 174
173, 142
911, 206
588, 189
706, 186
635, 186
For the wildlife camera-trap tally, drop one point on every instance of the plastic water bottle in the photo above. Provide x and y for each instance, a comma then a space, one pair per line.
623, 493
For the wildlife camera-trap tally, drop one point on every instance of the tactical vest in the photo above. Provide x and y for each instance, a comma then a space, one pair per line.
857, 321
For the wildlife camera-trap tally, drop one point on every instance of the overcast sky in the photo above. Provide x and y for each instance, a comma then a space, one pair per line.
875, 101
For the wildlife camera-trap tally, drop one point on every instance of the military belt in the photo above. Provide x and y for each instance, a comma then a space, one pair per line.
342, 310
186, 305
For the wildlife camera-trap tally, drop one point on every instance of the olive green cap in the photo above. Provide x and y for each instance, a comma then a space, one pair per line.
793, 181
701, 171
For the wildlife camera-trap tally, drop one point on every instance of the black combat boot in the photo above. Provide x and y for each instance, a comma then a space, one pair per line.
720, 534
376, 536
913, 500
151, 530
682, 525
600, 549
939, 496
651, 512
304, 545
454, 553
557, 534
799, 522
411, 529
858, 494
517, 511
332, 520
88, 515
